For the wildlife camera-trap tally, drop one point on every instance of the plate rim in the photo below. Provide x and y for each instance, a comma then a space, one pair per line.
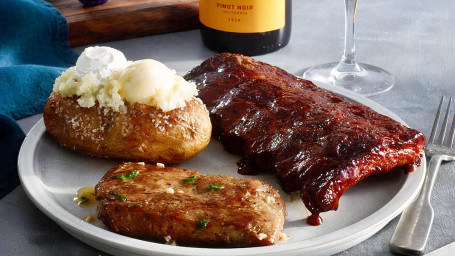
111, 242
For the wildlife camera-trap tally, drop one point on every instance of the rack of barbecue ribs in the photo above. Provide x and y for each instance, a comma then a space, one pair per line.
313, 140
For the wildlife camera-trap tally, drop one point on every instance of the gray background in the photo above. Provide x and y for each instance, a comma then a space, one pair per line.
414, 40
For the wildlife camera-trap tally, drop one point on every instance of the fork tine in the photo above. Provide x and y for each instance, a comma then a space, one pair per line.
444, 123
436, 121
450, 142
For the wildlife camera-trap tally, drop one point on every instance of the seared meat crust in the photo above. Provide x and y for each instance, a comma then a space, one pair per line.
240, 212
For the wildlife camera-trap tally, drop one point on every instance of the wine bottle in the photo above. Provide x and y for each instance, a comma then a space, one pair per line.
249, 27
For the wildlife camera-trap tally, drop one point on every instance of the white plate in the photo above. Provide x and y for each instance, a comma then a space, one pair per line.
51, 175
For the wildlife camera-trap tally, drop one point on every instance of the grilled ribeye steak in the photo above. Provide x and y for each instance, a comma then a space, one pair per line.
152, 203
314, 141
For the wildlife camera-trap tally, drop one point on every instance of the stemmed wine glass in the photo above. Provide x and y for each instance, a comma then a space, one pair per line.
361, 78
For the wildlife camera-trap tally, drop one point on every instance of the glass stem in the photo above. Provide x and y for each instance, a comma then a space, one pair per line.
348, 62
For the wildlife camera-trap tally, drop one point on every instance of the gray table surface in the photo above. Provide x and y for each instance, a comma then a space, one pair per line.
414, 40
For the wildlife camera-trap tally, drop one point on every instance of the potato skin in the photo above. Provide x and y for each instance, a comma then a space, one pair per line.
140, 133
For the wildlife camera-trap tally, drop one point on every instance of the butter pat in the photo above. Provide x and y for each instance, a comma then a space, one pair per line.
151, 82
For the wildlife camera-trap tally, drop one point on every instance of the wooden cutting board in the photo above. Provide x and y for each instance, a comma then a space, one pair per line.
122, 19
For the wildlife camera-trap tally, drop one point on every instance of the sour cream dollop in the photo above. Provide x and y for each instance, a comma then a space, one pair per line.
101, 62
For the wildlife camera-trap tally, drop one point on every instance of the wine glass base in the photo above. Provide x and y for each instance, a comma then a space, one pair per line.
367, 80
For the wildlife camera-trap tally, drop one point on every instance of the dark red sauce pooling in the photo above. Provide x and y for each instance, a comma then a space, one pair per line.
314, 220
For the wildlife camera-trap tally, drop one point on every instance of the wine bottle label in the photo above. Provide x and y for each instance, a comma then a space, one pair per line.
242, 16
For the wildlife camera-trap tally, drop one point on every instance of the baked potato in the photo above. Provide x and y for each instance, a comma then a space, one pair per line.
138, 133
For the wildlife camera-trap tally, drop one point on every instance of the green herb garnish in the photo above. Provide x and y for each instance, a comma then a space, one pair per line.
122, 196
190, 180
202, 224
215, 186
132, 175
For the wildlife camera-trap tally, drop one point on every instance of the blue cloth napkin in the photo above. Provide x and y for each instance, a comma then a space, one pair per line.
11, 137
34, 50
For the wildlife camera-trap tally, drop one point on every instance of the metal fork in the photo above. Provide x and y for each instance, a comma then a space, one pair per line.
414, 226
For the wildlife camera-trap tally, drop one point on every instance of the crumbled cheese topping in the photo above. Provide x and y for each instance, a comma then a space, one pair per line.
170, 190
160, 165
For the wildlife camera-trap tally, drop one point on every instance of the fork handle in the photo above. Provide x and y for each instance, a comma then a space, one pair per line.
415, 222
